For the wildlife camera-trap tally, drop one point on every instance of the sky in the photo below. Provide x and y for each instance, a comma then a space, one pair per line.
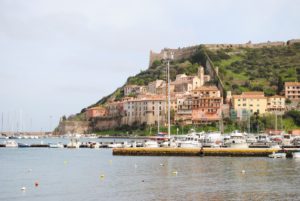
60, 56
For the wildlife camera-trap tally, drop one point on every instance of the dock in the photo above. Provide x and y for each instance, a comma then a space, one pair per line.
230, 152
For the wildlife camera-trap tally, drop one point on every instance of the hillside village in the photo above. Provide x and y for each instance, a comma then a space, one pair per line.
199, 99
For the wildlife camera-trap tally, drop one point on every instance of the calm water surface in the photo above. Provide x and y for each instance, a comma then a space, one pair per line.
88, 174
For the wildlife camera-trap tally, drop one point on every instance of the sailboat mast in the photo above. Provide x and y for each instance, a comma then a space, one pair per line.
169, 102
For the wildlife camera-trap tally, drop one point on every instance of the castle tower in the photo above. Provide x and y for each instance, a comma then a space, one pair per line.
201, 75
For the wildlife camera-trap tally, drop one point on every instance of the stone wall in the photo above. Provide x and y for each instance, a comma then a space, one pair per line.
181, 53
106, 123
66, 127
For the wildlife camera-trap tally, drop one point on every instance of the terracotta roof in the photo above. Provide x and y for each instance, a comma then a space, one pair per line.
260, 93
292, 83
276, 96
206, 88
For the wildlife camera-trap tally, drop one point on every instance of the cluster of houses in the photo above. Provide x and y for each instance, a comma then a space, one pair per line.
194, 100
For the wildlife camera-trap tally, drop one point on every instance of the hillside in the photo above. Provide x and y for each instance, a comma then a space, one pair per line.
261, 69
241, 69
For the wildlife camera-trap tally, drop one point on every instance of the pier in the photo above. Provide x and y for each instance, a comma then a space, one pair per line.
251, 152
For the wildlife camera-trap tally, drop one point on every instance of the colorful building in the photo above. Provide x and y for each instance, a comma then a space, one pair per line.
249, 102
93, 112
292, 90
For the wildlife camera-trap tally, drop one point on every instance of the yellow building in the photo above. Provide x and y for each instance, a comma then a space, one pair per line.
276, 104
249, 102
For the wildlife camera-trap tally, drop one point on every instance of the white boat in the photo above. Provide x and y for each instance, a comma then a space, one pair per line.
287, 140
277, 155
296, 154
236, 140
192, 140
115, 145
10, 143
74, 143
56, 145
213, 139
151, 144
94, 145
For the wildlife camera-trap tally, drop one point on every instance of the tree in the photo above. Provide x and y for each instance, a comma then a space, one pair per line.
280, 84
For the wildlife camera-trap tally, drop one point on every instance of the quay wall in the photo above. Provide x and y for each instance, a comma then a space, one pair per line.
255, 152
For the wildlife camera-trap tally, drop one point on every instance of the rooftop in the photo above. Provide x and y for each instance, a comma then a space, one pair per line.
292, 84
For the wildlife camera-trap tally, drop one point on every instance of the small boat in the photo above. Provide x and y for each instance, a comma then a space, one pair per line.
115, 145
23, 145
56, 145
151, 144
236, 140
74, 143
10, 143
296, 154
277, 155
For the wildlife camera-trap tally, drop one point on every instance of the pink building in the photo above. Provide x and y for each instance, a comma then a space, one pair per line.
93, 112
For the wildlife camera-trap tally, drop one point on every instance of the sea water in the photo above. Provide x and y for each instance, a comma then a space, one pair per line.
95, 174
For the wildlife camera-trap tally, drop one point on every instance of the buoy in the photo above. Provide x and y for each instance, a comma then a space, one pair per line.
175, 172
23, 188
143, 180
243, 171
101, 176
36, 184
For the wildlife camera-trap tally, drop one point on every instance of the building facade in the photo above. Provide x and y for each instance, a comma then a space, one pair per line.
292, 90
249, 102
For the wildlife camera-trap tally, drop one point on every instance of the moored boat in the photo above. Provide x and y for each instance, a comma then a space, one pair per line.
277, 155
236, 140
192, 140
10, 143
296, 154
23, 145
74, 143
56, 145
151, 144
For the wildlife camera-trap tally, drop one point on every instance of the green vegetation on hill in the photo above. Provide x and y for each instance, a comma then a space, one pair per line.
261, 69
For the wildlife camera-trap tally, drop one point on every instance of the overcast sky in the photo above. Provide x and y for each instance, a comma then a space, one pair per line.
59, 56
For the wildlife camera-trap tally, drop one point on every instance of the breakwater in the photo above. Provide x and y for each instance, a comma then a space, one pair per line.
231, 152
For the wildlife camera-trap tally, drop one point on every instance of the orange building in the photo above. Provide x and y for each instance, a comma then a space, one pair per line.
93, 112
207, 105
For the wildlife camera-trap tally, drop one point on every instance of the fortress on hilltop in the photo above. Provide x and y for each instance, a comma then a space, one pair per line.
182, 53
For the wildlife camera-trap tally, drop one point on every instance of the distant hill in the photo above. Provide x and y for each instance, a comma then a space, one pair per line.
241, 68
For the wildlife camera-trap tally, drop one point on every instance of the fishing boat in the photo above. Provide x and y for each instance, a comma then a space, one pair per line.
236, 140
56, 145
10, 143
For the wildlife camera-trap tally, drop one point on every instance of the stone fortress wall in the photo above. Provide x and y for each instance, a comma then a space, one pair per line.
181, 53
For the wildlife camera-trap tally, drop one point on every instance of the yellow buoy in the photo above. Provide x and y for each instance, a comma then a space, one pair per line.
175, 172
101, 176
